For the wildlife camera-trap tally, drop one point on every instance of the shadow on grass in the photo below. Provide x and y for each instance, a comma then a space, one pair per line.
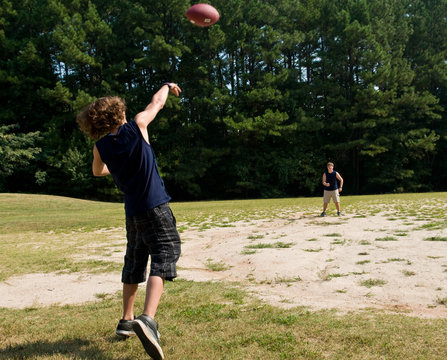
71, 349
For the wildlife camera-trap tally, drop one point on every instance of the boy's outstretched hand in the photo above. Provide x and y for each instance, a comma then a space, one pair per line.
174, 89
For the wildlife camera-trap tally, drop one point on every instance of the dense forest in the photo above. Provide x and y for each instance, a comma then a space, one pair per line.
271, 92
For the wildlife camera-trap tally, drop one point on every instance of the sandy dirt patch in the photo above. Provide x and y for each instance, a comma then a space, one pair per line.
343, 263
34, 290
348, 263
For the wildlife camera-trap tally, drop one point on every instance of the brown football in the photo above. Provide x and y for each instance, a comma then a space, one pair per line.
202, 14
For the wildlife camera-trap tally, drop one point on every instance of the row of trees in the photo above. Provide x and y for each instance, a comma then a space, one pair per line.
271, 92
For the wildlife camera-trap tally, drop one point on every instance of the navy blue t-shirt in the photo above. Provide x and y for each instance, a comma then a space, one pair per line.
331, 178
132, 164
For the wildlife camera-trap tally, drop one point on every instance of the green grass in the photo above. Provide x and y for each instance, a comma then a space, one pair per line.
20, 213
216, 265
334, 276
363, 262
338, 242
255, 237
400, 233
372, 282
287, 280
387, 238
396, 260
364, 242
203, 321
41, 213
248, 252
281, 280
276, 245
437, 225
32, 252
200, 321
408, 273
313, 250
436, 238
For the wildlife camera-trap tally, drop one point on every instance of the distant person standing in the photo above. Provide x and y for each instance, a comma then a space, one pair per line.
331, 189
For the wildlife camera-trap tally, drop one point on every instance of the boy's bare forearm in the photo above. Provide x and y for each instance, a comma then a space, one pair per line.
159, 98
340, 179
157, 103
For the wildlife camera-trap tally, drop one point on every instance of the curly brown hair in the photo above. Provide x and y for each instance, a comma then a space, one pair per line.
101, 116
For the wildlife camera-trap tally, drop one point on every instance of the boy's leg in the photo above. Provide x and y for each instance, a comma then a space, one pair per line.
144, 325
337, 205
326, 200
129, 296
125, 328
324, 209
154, 290
164, 242
337, 201
135, 263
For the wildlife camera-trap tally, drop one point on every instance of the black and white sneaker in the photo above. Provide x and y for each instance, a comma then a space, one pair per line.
146, 329
124, 328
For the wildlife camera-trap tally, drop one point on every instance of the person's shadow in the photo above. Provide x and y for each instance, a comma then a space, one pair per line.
72, 348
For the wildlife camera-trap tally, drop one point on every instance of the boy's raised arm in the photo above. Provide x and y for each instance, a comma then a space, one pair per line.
144, 118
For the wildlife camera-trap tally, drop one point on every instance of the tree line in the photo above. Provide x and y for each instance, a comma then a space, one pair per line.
271, 93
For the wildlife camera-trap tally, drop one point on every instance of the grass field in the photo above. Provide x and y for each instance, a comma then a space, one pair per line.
210, 320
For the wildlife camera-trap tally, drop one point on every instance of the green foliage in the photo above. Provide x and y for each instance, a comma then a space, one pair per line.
16, 150
271, 92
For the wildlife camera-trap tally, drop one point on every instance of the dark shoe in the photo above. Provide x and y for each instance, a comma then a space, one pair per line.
146, 329
338, 213
124, 328
323, 214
